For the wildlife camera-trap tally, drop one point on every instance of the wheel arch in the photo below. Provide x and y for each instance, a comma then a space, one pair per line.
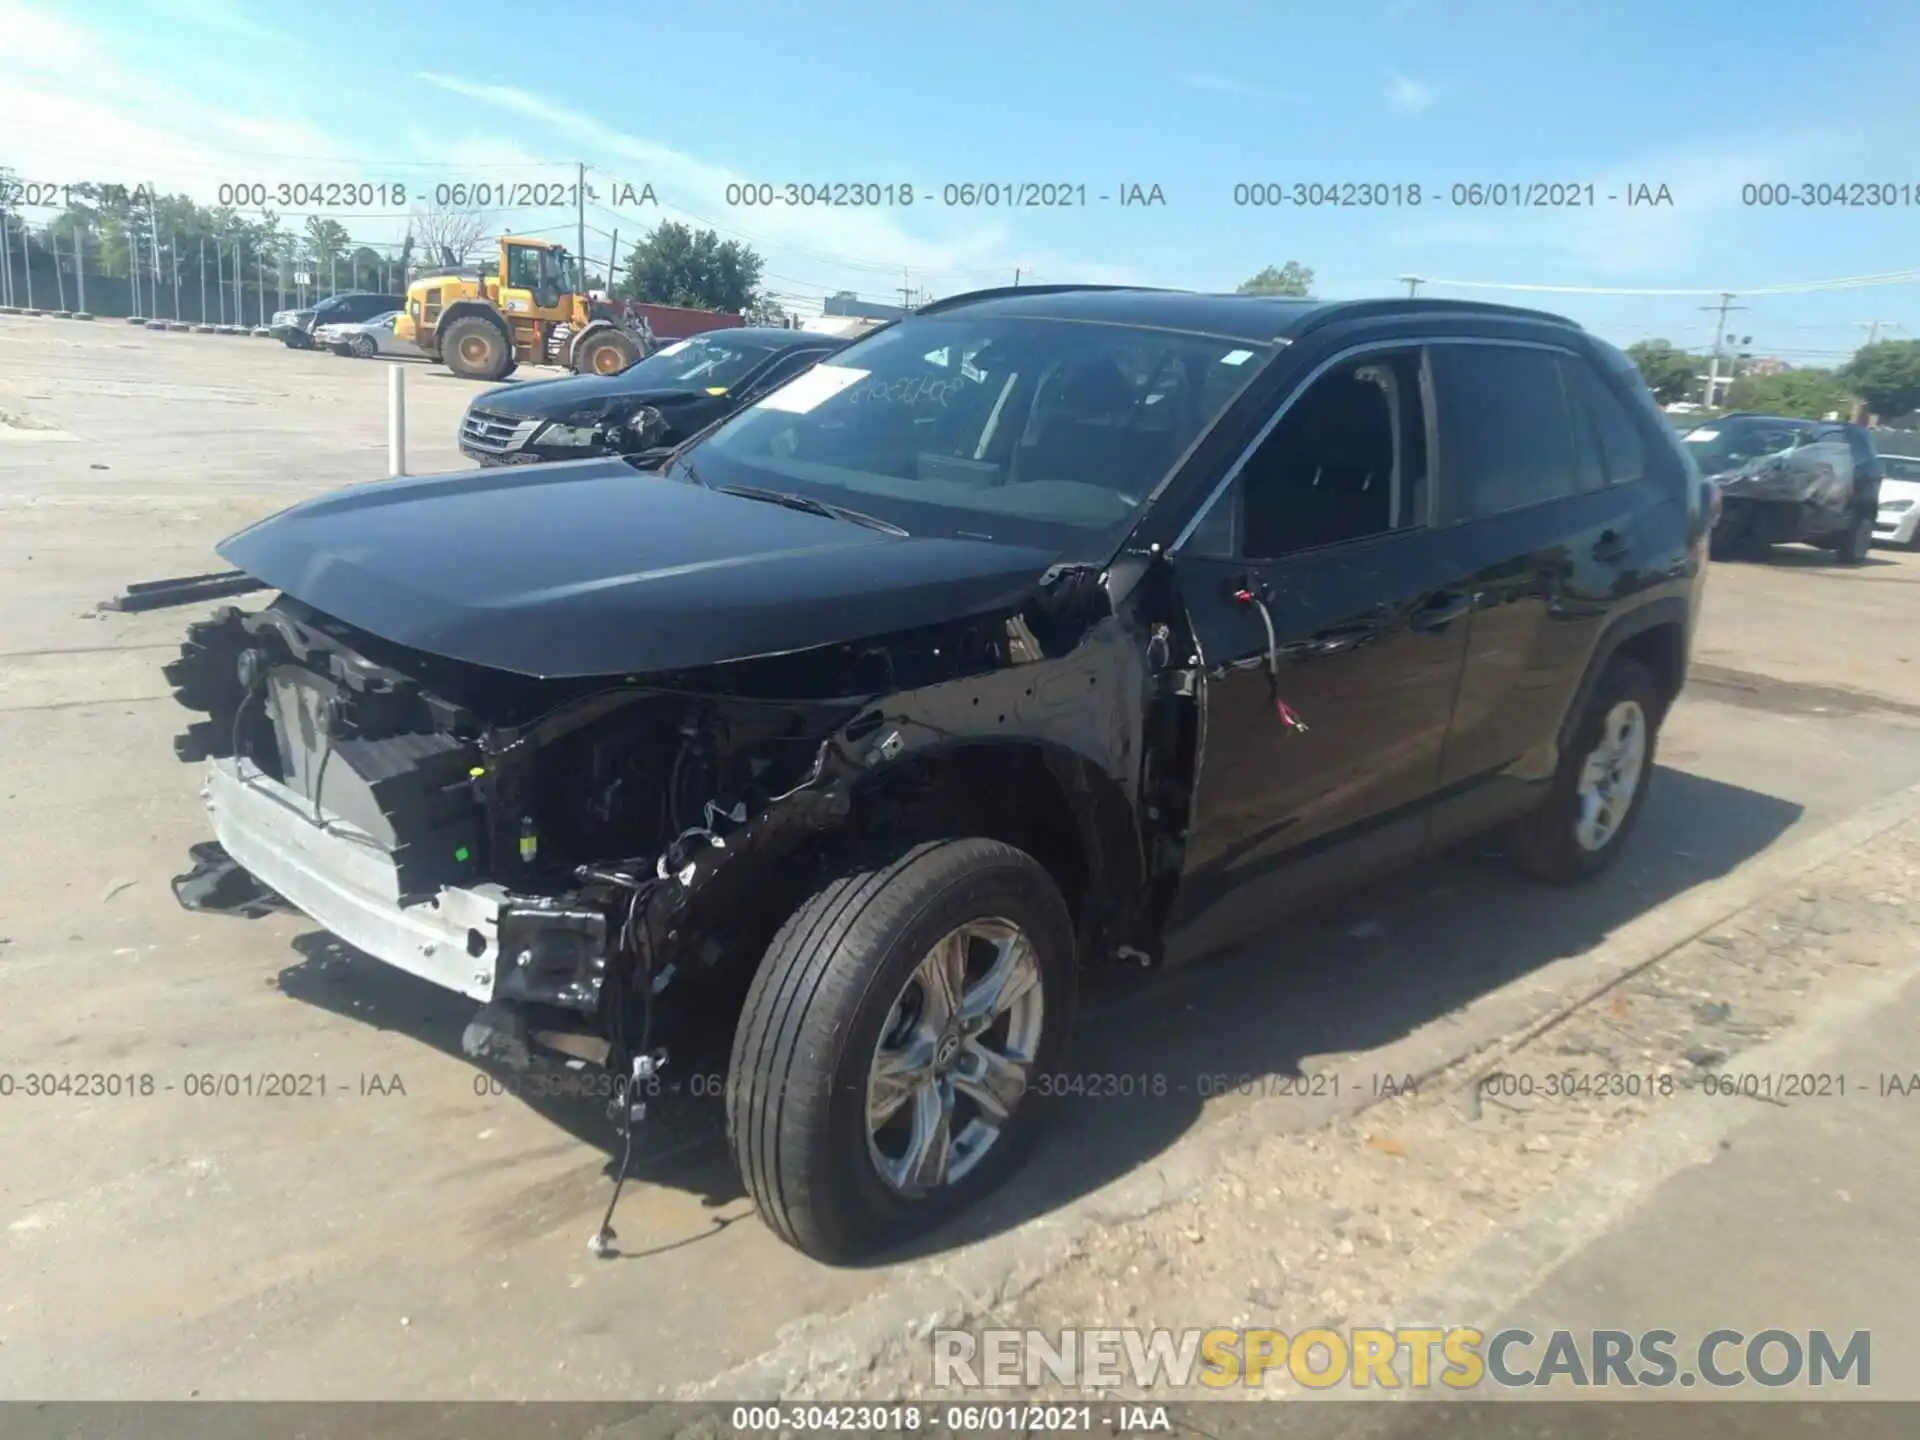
1035, 794
1656, 634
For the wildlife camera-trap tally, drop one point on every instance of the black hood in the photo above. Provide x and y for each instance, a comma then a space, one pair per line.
553, 399
590, 567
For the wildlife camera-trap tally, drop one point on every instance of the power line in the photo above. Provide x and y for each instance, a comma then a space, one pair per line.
1851, 282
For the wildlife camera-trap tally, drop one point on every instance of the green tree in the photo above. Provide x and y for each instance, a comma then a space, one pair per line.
1667, 369
1810, 394
1292, 278
324, 244
764, 310
366, 269
675, 266
1886, 375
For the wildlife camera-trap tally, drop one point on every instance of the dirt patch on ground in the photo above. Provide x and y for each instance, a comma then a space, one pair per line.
1338, 1227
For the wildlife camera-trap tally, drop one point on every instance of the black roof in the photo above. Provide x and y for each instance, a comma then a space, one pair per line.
1257, 319
776, 336
1770, 419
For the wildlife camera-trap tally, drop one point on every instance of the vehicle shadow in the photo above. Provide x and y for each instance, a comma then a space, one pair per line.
1151, 1049
1801, 557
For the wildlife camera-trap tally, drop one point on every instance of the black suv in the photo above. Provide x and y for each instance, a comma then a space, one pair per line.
1044, 628
1783, 479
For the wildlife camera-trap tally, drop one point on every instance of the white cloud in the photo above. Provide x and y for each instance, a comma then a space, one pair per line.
1406, 93
1218, 84
182, 122
1612, 240
869, 250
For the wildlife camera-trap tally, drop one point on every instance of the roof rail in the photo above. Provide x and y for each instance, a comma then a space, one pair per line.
995, 292
1341, 310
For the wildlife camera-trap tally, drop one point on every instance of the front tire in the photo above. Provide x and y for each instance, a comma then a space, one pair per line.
476, 349
605, 352
363, 347
1597, 794
882, 1069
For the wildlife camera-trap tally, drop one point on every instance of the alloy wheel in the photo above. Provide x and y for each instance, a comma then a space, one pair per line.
954, 1059
1610, 776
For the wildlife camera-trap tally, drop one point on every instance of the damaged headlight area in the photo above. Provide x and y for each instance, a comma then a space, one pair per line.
528, 842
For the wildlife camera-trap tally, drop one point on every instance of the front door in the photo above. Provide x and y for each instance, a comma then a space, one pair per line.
1329, 616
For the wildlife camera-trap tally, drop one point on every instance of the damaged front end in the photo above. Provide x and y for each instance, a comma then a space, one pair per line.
563, 851
501, 837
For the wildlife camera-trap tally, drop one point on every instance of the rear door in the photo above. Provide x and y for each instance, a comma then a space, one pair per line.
1329, 618
1540, 481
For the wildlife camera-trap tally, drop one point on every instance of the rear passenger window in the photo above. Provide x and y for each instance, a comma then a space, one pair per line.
1623, 452
1506, 437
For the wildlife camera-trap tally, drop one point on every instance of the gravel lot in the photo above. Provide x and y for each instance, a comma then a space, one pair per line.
428, 1239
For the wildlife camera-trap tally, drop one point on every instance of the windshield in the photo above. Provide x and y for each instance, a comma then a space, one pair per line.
707, 362
1727, 445
1026, 431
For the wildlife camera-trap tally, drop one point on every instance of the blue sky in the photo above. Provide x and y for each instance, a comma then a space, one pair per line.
1702, 98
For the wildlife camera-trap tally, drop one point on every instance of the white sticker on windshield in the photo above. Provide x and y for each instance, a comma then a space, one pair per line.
812, 388
1236, 357
1703, 435
674, 349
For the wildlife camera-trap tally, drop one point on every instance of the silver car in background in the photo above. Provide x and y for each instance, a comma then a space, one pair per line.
366, 339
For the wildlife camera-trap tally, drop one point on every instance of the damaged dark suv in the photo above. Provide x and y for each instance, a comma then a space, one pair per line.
1042, 629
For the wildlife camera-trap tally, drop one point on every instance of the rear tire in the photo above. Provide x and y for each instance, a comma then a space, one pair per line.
476, 348
1854, 546
832, 1016
1563, 839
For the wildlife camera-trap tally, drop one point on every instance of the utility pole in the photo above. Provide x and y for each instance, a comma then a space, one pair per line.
6, 262
613, 261
203, 279
580, 217
1872, 327
220, 278
80, 266
1413, 282
906, 288
1016, 277
26, 262
173, 249
1719, 339
153, 240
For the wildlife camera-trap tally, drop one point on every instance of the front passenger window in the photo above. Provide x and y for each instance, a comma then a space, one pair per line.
1347, 461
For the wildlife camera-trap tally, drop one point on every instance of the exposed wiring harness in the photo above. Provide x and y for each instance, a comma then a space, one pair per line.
1280, 707
640, 1063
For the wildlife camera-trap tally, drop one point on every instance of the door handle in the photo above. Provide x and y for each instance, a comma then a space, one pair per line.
1612, 545
1437, 614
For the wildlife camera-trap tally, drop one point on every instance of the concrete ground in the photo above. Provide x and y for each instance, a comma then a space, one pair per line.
411, 1233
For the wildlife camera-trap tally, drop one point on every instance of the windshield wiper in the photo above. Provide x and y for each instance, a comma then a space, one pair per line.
811, 506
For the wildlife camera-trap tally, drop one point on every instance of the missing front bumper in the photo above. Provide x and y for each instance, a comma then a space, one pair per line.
345, 879
481, 941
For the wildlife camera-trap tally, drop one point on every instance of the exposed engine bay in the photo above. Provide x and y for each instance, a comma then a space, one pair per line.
564, 851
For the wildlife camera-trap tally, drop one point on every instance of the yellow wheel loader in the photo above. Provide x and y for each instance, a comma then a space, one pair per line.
532, 309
